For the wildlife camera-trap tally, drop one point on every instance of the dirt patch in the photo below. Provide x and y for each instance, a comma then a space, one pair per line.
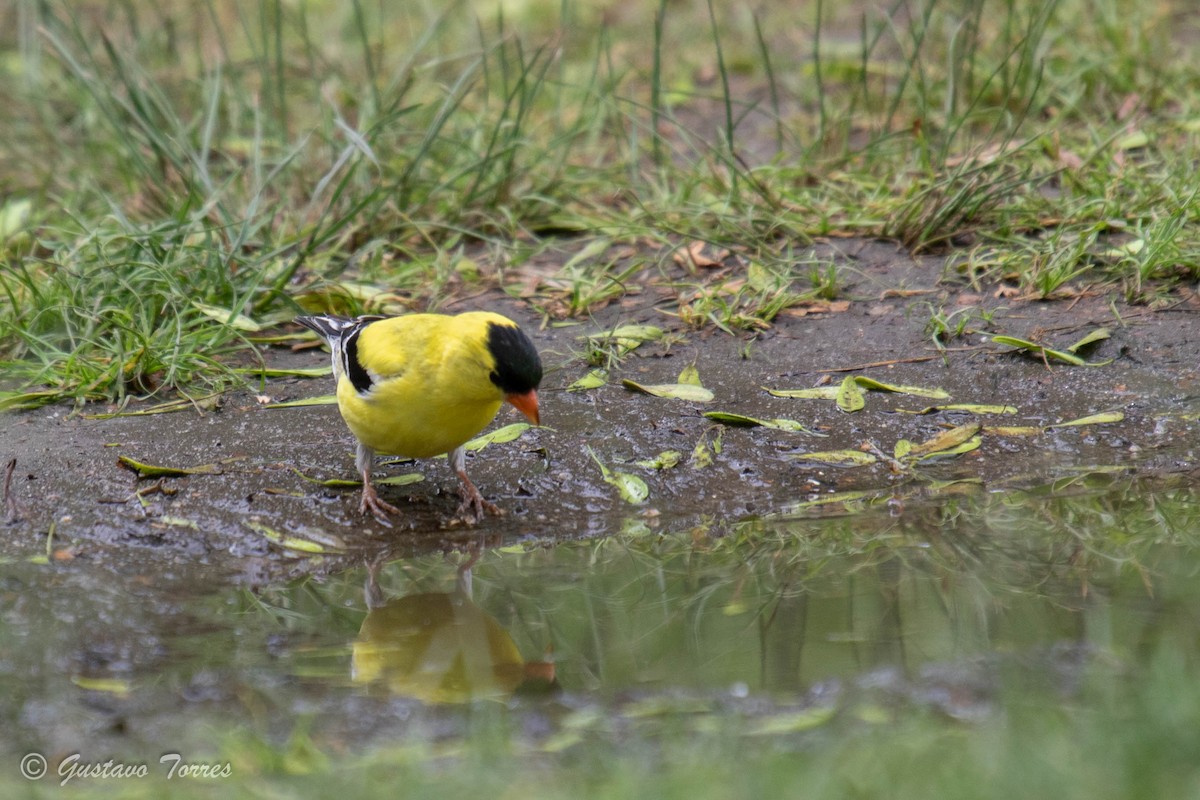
67, 474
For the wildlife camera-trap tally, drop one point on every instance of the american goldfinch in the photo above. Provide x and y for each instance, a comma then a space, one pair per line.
440, 647
423, 384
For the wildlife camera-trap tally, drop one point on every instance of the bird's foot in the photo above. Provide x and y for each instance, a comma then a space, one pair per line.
473, 505
471, 510
377, 507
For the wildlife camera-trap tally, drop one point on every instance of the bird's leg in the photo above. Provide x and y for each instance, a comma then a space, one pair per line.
371, 590
473, 506
364, 459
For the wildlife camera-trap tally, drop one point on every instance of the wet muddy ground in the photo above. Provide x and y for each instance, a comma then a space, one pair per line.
67, 478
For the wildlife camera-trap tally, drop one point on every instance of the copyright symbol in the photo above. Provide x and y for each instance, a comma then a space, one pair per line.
33, 766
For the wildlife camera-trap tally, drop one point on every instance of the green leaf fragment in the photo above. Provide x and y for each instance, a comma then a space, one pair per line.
1130, 248
849, 393
741, 420
286, 372
829, 499
690, 375
1098, 335
632, 489
207, 402
957, 450
320, 400
625, 337
283, 540
1048, 353
151, 471
946, 440
677, 391
227, 316
508, 433
18, 401
1041, 350
1102, 418
664, 460
593, 380
1013, 430
178, 522
348, 483
815, 393
1092, 419
919, 391
595, 248
735, 607
13, 216
107, 685
643, 333
704, 452
850, 397
1134, 140
836, 458
973, 408
400, 480
792, 722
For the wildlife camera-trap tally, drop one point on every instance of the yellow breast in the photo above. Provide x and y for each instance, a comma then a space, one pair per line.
403, 419
431, 390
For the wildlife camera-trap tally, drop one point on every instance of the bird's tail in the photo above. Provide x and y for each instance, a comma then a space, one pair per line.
329, 326
342, 335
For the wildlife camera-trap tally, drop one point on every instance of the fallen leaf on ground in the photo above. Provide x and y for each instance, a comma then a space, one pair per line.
678, 391
973, 408
805, 308
920, 391
836, 458
1098, 335
632, 489
664, 460
508, 433
320, 400
946, 440
742, 420
1092, 419
1013, 430
625, 337
850, 397
151, 471
593, 380
1067, 356
285, 541
815, 393
704, 453
693, 255
226, 316
351, 483
690, 375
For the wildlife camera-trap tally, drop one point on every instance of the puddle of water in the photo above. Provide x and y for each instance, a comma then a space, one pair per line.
806, 631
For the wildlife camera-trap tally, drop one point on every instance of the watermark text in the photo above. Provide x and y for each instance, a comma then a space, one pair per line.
34, 767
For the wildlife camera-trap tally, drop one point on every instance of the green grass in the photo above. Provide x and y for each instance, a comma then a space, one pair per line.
261, 157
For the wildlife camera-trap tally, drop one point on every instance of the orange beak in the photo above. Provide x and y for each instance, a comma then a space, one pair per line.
527, 404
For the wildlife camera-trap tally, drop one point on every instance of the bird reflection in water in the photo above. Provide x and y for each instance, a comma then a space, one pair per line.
440, 647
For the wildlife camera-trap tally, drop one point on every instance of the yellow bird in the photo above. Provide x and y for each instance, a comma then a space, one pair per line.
442, 648
423, 384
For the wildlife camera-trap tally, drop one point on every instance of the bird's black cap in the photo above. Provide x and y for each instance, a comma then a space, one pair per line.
518, 366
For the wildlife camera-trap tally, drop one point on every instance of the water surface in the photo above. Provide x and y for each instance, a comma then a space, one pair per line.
811, 629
